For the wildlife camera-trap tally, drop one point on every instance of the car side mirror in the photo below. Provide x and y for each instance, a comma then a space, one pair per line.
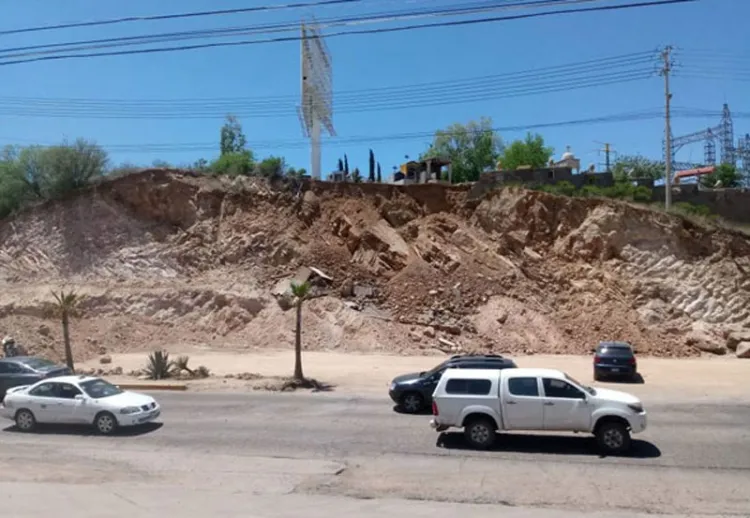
79, 397
592, 350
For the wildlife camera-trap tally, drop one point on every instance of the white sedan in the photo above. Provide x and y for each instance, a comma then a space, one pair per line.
77, 400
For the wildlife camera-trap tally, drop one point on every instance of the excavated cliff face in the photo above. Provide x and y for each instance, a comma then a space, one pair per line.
169, 259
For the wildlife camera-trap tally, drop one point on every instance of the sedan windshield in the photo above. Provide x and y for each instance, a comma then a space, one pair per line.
590, 390
98, 388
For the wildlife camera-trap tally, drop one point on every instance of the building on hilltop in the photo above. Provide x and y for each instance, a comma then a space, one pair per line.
430, 170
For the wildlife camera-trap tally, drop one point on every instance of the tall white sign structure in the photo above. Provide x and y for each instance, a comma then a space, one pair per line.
316, 109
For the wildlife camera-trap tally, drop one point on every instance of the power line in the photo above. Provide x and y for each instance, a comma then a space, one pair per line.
355, 108
348, 33
411, 14
650, 114
194, 14
440, 95
574, 68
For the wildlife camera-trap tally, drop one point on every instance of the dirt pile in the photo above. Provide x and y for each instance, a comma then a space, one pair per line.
169, 259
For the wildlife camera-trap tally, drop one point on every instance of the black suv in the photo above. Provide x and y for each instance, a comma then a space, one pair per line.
413, 392
615, 359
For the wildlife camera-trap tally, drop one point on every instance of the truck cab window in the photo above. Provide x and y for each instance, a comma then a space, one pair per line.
523, 387
468, 386
554, 388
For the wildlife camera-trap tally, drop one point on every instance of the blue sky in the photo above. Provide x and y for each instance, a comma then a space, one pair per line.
374, 61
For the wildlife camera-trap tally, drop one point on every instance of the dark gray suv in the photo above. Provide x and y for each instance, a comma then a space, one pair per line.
413, 392
26, 370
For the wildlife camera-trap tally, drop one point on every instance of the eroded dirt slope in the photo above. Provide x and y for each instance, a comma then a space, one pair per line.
168, 259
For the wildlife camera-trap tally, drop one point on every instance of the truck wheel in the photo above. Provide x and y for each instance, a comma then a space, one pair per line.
412, 402
613, 437
480, 433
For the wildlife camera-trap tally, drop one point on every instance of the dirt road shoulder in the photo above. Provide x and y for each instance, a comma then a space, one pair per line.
370, 374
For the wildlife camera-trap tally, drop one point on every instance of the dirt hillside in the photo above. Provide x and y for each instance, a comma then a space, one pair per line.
170, 259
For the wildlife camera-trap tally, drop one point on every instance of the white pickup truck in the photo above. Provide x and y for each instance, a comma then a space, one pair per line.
483, 402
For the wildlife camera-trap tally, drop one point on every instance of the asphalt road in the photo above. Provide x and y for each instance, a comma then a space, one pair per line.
324, 454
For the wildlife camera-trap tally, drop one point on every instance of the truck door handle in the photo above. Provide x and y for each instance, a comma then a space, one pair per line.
548, 403
511, 402
43, 406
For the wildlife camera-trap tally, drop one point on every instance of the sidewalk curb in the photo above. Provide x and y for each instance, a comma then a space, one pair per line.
153, 386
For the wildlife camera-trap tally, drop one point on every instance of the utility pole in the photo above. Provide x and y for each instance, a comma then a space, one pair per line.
608, 152
606, 157
667, 57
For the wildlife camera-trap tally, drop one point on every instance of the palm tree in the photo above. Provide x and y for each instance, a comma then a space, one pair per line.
66, 307
300, 292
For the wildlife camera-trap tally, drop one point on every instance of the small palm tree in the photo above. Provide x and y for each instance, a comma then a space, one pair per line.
66, 307
300, 292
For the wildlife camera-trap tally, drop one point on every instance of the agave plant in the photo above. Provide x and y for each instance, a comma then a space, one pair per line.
181, 364
159, 365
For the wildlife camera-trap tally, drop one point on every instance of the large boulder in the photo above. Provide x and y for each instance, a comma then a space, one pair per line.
734, 338
743, 350
704, 338
381, 248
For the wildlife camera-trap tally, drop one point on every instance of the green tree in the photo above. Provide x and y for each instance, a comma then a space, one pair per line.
371, 175
234, 159
630, 167
53, 171
234, 164
379, 176
14, 190
232, 137
273, 166
201, 165
725, 176
356, 175
300, 292
67, 307
528, 152
472, 148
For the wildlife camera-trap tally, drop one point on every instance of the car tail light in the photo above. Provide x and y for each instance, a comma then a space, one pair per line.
597, 358
632, 361
434, 408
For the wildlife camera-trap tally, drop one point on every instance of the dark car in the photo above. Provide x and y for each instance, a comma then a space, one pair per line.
615, 360
25, 370
413, 392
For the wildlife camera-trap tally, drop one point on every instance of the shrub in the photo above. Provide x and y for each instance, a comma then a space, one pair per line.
565, 188
159, 366
692, 209
642, 194
592, 191
234, 164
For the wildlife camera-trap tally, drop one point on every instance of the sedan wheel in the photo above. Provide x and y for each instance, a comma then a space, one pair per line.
105, 423
25, 420
412, 402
